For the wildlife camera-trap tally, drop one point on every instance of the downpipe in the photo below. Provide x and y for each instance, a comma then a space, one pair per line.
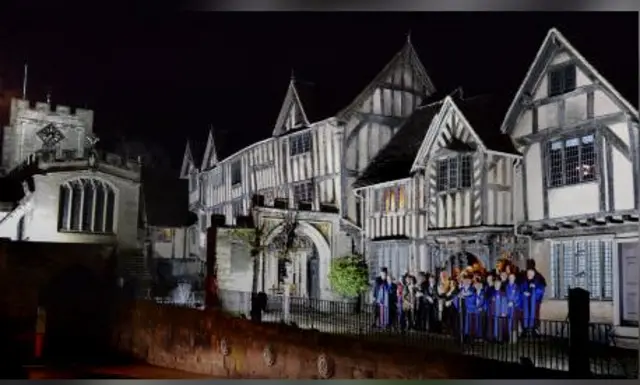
516, 234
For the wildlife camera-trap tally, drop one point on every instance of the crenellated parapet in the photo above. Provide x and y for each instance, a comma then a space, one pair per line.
26, 109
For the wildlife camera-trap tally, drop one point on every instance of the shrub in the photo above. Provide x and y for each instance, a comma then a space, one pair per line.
349, 275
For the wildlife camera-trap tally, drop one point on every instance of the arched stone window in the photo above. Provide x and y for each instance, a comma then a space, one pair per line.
86, 205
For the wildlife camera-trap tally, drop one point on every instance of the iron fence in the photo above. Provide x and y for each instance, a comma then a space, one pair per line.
545, 344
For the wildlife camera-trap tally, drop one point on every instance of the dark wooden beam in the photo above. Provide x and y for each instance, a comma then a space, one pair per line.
402, 88
551, 133
616, 142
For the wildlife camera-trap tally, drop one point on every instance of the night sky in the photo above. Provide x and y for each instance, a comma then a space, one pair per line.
163, 79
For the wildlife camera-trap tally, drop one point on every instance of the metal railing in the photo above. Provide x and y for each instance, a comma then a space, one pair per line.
541, 343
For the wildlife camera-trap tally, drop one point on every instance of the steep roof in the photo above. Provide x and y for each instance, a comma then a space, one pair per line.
165, 199
485, 113
395, 159
553, 42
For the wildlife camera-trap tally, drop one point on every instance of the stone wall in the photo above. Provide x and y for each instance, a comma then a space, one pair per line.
26, 268
212, 343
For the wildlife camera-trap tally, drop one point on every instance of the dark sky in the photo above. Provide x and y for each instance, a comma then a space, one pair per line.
163, 79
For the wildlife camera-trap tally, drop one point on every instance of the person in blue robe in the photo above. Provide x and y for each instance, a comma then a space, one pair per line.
479, 314
385, 295
532, 290
379, 281
497, 329
467, 306
513, 299
488, 291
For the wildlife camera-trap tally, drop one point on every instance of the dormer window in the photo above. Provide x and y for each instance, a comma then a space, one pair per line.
454, 173
562, 80
300, 143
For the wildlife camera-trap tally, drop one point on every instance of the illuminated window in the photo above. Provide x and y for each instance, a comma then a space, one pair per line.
394, 199
164, 235
571, 161
87, 206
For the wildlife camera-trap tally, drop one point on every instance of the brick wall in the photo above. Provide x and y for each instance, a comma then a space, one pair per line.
210, 342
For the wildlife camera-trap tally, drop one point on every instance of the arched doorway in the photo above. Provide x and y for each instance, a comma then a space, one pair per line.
76, 314
306, 265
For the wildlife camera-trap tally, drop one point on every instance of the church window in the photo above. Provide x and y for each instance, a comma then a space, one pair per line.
562, 80
583, 263
86, 206
300, 143
571, 161
236, 172
454, 173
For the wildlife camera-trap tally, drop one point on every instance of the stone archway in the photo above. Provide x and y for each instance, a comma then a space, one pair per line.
314, 262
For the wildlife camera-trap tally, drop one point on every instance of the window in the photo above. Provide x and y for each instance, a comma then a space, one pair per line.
454, 173
164, 235
303, 192
562, 80
582, 263
300, 143
86, 205
390, 199
236, 209
572, 161
236, 172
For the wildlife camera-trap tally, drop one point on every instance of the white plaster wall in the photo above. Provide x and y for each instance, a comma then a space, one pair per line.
622, 131
42, 226
534, 183
228, 279
622, 181
574, 200
524, 124
575, 109
548, 115
603, 105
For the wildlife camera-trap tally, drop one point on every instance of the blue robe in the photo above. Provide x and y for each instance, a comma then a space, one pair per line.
512, 294
467, 305
497, 311
384, 298
531, 304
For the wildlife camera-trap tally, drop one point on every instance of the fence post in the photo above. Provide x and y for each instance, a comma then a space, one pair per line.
579, 313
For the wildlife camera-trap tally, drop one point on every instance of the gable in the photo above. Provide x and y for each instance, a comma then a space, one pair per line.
210, 158
555, 53
405, 72
292, 114
450, 131
187, 162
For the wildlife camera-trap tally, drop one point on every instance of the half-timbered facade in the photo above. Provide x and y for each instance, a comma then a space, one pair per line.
577, 184
307, 167
451, 196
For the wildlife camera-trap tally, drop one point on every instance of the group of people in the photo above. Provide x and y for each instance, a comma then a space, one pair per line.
491, 305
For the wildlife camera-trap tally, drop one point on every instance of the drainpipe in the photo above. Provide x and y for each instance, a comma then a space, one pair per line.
361, 198
516, 234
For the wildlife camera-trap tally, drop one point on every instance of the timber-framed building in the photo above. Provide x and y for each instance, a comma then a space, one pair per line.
419, 182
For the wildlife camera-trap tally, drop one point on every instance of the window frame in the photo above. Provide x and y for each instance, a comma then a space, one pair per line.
560, 249
461, 161
550, 164
300, 143
72, 215
309, 193
236, 172
561, 70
